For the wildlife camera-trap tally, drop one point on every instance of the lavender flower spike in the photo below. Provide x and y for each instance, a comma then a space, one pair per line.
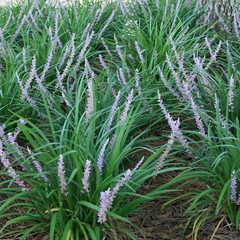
37, 165
86, 175
197, 117
47, 64
83, 50
2, 130
89, 108
126, 177
175, 75
40, 170
112, 111
103, 63
195, 108
28, 83
139, 164
89, 70
107, 197
233, 188
61, 86
106, 47
101, 156
105, 205
167, 84
65, 55
218, 109
172, 123
31, 77
231, 94
213, 55
139, 51
71, 58
122, 77
106, 24
85, 31
61, 175
22, 122
11, 172
137, 85
166, 152
127, 107
24, 56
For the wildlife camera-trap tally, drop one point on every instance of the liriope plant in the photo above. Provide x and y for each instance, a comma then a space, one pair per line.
210, 91
68, 174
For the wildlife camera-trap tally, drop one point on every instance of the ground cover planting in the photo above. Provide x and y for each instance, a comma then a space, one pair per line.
113, 111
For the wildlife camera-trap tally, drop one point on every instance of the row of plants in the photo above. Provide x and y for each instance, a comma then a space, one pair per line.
85, 88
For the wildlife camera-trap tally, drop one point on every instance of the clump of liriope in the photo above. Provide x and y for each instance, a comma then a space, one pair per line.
218, 169
216, 162
72, 180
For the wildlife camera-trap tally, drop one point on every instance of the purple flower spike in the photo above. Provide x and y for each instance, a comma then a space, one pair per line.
86, 175
61, 175
105, 205
233, 188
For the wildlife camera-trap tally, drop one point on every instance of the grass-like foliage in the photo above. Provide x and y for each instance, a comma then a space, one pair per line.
85, 91
70, 166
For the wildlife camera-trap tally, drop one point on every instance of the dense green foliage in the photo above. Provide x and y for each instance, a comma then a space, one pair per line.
84, 91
